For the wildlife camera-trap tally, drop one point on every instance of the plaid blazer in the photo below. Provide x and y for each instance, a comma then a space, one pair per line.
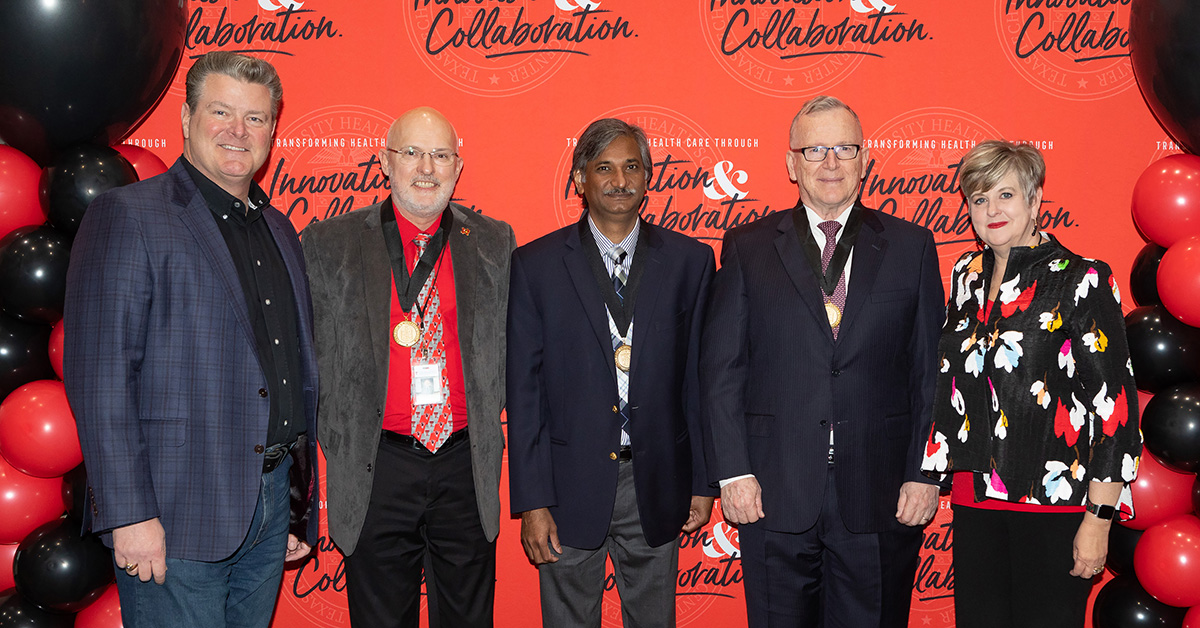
161, 369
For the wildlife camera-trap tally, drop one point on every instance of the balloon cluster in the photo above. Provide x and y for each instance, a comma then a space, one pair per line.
87, 75
1157, 553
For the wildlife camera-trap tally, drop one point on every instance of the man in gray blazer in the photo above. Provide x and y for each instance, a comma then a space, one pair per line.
409, 300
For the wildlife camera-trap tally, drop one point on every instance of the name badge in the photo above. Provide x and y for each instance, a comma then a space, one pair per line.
427, 383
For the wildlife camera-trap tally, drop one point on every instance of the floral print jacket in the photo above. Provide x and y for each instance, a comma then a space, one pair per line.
1039, 399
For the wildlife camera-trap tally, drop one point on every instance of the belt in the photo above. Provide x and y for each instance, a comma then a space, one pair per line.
625, 453
275, 455
404, 440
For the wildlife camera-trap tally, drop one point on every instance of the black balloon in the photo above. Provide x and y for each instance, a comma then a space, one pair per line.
76, 178
19, 613
1164, 50
1123, 603
60, 570
33, 273
1171, 427
24, 353
77, 71
1121, 542
1143, 278
1196, 495
1164, 351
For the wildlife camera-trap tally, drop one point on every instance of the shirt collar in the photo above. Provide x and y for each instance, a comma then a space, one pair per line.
221, 202
629, 244
409, 231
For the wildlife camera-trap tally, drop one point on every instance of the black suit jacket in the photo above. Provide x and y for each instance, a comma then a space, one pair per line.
774, 378
563, 426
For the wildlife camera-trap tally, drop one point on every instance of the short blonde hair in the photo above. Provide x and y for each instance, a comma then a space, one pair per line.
984, 166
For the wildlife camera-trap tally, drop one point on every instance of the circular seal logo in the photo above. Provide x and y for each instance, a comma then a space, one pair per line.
913, 173
326, 163
502, 48
1079, 51
802, 48
694, 187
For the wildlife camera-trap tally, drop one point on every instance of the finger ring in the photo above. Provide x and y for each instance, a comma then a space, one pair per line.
130, 566
1097, 570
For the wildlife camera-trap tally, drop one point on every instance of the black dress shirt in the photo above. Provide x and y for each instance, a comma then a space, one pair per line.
267, 287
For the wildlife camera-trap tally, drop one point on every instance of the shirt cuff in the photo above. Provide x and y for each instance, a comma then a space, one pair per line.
728, 481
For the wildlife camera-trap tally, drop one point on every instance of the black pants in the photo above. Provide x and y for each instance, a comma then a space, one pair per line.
422, 511
1013, 569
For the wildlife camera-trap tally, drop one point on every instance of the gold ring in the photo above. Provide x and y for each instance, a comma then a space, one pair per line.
1096, 571
130, 566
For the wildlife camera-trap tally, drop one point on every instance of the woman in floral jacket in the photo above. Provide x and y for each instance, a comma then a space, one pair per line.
1036, 408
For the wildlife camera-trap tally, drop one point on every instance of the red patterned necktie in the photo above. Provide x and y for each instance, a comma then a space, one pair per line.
432, 423
838, 298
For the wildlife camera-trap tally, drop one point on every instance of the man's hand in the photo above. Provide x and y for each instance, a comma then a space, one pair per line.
538, 535
918, 503
141, 550
699, 513
296, 549
741, 501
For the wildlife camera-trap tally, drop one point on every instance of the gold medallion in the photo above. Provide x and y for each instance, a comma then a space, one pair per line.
406, 333
623, 355
834, 313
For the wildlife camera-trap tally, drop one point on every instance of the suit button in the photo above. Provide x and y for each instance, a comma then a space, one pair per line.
612, 456
258, 449
368, 467
378, 412
262, 392
822, 421
835, 372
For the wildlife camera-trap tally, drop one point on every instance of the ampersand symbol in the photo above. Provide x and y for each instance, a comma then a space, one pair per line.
571, 5
271, 5
728, 189
876, 5
721, 545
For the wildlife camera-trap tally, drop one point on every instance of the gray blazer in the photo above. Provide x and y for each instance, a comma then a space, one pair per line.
350, 275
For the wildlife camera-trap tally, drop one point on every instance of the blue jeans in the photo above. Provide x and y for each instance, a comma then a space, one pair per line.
238, 592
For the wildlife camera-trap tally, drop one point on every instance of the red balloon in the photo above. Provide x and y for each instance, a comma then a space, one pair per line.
1179, 280
19, 203
1159, 493
1192, 619
1167, 561
105, 612
1166, 200
146, 163
7, 585
56, 349
27, 502
37, 430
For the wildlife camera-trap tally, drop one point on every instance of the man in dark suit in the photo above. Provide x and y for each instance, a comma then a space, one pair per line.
605, 456
409, 297
189, 364
817, 369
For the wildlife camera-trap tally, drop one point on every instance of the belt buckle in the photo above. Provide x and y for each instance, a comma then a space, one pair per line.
274, 455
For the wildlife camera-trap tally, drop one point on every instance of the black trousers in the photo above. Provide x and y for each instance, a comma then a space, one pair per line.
422, 512
828, 576
1012, 569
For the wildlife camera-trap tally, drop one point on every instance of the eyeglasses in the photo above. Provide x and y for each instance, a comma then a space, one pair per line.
817, 153
411, 155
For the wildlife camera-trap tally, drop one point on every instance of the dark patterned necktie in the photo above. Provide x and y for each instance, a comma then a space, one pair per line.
838, 298
619, 277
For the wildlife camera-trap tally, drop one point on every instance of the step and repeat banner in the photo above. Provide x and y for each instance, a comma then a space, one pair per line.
715, 84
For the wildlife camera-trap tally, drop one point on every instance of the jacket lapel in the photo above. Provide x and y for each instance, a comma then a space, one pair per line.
791, 254
464, 251
585, 286
376, 281
869, 249
648, 290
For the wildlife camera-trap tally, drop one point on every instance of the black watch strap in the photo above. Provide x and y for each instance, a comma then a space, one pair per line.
1102, 512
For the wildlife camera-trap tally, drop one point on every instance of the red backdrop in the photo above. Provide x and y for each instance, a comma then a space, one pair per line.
715, 84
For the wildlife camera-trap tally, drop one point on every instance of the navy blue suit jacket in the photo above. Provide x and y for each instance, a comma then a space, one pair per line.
563, 427
162, 370
774, 378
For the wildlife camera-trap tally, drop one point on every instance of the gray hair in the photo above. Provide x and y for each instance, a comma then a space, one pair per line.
238, 66
984, 166
599, 135
824, 103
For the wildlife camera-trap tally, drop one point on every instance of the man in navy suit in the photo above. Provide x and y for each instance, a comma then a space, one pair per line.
189, 364
817, 370
605, 451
